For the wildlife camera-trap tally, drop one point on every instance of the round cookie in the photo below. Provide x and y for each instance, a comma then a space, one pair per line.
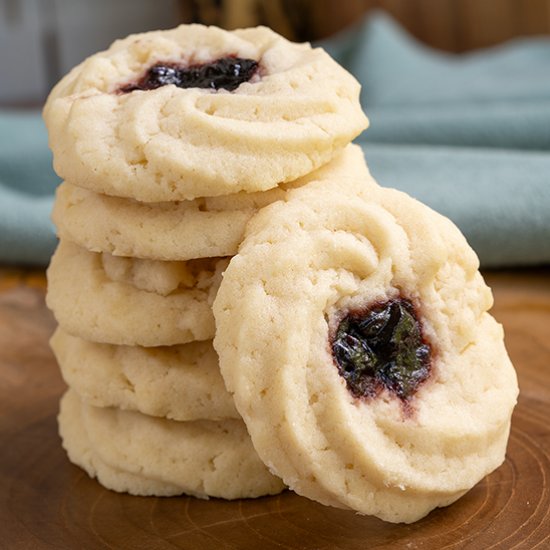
176, 382
205, 227
142, 455
138, 120
353, 333
122, 301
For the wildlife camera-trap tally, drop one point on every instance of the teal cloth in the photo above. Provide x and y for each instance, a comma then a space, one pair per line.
27, 184
468, 135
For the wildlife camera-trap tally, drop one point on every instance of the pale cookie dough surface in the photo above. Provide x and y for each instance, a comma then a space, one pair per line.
154, 276
142, 455
114, 302
306, 263
206, 227
176, 382
170, 143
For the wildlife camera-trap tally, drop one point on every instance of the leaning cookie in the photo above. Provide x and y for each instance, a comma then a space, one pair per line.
199, 228
352, 329
142, 455
176, 382
124, 301
198, 111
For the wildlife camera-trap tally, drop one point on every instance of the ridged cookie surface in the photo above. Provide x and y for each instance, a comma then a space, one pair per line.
352, 329
297, 110
131, 302
176, 382
142, 455
199, 228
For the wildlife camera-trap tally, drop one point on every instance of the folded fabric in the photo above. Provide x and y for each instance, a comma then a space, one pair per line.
498, 97
27, 184
468, 135
499, 198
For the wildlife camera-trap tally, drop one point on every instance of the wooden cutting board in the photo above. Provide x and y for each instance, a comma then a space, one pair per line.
45, 502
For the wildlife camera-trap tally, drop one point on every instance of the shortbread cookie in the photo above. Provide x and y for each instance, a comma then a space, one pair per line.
129, 302
197, 111
352, 328
176, 382
198, 228
142, 455
159, 277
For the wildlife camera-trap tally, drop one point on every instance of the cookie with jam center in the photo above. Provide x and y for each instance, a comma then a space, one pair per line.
198, 228
127, 301
130, 452
198, 111
353, 332
176, 382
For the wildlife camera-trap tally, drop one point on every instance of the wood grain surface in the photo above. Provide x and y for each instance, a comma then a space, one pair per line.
45, 502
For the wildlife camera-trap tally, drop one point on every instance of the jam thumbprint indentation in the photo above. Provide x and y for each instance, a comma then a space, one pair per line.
382, 346
227, 73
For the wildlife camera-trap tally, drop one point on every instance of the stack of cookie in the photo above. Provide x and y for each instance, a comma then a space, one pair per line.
211, 198
168, 143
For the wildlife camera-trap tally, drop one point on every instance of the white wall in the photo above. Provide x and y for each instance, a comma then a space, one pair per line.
40, 40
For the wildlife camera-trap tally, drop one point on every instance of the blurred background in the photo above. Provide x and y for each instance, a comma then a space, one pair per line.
40, 40
457, 93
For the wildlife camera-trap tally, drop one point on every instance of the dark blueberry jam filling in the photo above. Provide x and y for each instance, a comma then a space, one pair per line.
227, 73
382, 347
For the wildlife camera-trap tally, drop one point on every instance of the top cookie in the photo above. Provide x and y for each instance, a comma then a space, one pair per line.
158, 116
352, 329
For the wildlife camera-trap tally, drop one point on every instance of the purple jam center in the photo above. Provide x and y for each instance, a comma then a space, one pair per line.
382, 347
227, 73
